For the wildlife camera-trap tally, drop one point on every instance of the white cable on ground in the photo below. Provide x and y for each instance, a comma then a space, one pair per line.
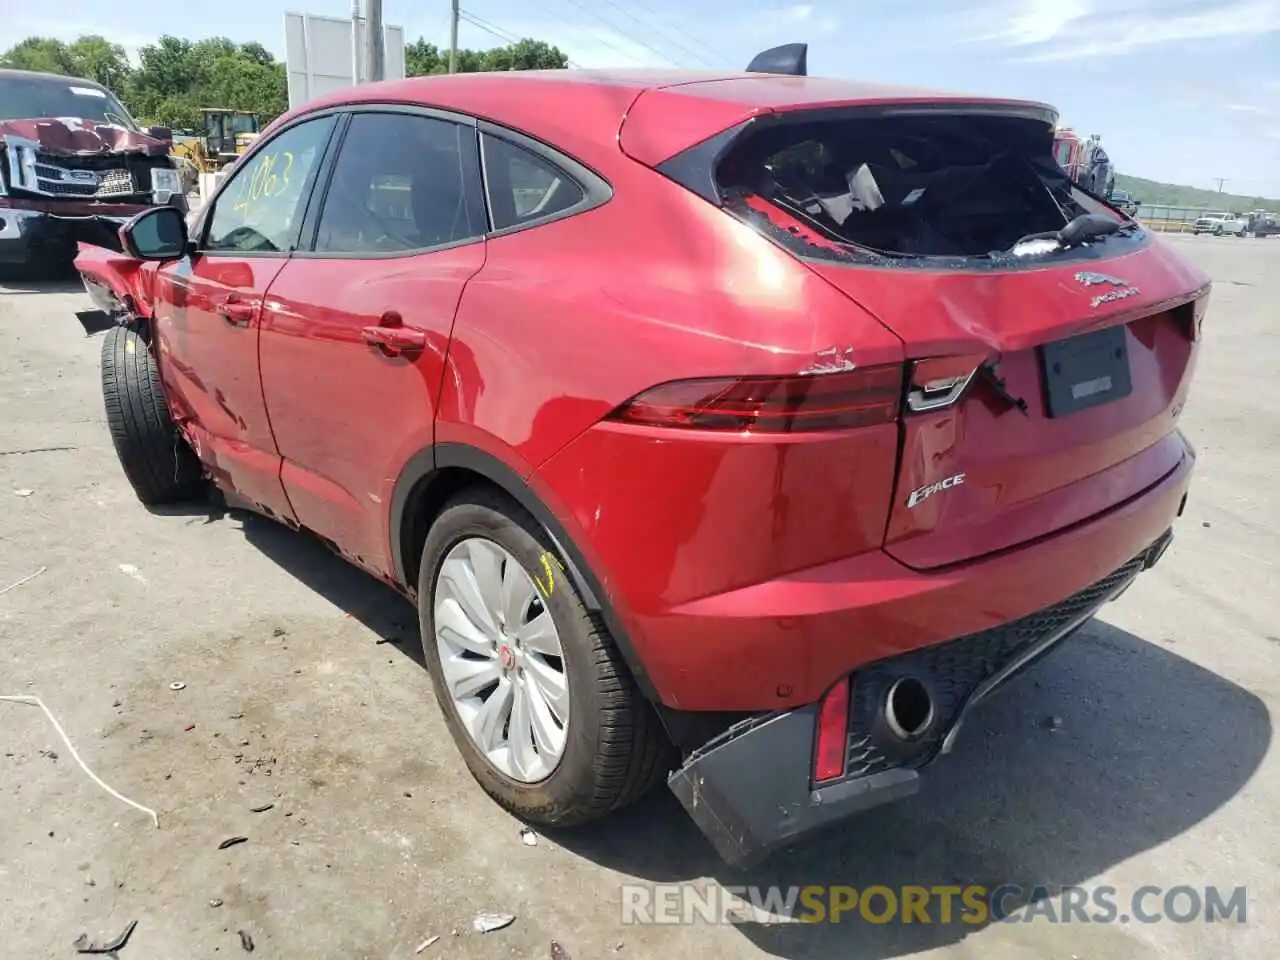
15, 585
36, 701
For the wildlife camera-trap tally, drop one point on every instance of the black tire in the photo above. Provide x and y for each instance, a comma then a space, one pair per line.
616, 748
157, 461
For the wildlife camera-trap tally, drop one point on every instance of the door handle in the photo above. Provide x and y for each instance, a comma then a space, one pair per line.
238, 313
395, 339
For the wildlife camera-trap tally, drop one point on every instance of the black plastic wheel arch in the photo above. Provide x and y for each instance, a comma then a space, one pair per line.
432, 461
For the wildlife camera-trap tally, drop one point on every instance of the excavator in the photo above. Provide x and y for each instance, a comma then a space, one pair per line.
227, 135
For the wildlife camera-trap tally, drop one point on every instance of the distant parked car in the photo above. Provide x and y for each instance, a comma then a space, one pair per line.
1220, 223
1124, 202
1263, 224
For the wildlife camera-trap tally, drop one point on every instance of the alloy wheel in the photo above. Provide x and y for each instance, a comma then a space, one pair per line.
501, 659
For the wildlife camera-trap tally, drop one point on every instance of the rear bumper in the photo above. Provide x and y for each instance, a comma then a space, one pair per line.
750, 790
784, 642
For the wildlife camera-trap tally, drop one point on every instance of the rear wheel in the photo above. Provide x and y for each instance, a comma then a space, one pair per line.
159, 465
533, 689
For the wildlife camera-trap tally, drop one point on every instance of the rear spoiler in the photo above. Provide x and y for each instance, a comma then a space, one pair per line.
791, 59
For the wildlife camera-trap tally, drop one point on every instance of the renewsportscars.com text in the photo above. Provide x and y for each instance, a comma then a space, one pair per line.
973, 905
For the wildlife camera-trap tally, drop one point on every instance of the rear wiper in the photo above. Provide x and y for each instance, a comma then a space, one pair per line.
1086, 227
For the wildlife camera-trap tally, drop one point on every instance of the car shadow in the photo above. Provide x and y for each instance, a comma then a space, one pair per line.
14, 283
374, 604
1108, 748
95, 321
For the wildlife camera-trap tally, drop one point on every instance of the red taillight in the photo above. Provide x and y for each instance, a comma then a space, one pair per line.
825, 401
833, 732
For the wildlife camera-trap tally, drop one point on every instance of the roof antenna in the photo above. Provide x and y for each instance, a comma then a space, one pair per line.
791, 59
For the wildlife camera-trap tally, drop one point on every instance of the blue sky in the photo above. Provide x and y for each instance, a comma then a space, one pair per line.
1180, 90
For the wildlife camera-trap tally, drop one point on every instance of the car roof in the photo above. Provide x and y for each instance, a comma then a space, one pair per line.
53, 79
584, 111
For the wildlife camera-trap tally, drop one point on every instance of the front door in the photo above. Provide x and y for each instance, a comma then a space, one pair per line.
355, 331
209, 308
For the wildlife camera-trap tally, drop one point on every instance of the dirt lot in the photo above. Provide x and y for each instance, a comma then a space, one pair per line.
303, 689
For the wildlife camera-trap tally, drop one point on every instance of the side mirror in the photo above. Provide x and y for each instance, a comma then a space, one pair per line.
160, 133
156, 234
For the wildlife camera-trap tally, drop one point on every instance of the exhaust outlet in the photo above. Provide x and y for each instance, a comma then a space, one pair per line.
908, 709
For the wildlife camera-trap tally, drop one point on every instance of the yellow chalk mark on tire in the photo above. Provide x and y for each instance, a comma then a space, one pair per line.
548, 559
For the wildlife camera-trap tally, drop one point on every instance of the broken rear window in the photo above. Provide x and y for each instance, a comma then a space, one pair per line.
918, 186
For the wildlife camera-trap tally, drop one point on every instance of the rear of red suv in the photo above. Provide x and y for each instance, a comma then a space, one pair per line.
980, 449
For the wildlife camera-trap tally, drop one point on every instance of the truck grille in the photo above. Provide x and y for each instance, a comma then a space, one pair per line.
59, 181
955, 669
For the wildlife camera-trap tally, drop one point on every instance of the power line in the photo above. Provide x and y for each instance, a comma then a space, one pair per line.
496, 31
718, 55
613, 27
487, 27
674, 42
483, 24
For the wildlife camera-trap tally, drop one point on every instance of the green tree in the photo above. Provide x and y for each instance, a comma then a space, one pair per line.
175, 76
525, 55
91, 57
44, 54
423, 59
100, 60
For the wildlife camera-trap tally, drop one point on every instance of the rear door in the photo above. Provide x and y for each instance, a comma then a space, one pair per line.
356, 327
208, 309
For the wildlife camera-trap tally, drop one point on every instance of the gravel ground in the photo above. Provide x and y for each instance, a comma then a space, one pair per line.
303, 689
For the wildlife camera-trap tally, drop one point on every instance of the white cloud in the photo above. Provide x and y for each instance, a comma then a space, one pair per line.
1042, 21
797, 14
1077, 29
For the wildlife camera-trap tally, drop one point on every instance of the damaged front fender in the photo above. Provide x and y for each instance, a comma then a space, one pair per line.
118, 284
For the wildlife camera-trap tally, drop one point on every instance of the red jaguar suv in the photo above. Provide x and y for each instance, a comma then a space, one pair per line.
741, 430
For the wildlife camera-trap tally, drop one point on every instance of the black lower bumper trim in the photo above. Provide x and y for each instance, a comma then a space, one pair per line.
750, 789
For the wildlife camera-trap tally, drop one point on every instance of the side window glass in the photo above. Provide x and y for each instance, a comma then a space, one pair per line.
401, 183
261, 207
524, 187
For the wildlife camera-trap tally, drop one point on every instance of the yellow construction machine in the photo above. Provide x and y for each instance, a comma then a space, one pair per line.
227, 135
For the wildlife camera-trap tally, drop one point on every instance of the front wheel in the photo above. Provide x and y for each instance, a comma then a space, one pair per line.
157, 462
533, 689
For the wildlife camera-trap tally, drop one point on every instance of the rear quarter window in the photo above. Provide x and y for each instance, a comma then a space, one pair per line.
525, 187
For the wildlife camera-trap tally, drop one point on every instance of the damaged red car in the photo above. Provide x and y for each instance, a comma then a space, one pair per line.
743, 432
74, 166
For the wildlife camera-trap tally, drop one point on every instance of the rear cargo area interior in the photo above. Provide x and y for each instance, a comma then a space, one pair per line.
920, 185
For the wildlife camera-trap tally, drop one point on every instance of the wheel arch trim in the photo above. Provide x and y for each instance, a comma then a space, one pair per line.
429, 463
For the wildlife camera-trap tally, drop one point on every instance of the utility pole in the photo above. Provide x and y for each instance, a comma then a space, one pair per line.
453, 39
1221, 181
373, 40
355, 42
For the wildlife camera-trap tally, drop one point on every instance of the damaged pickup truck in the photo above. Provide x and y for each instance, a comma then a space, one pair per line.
74, 166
